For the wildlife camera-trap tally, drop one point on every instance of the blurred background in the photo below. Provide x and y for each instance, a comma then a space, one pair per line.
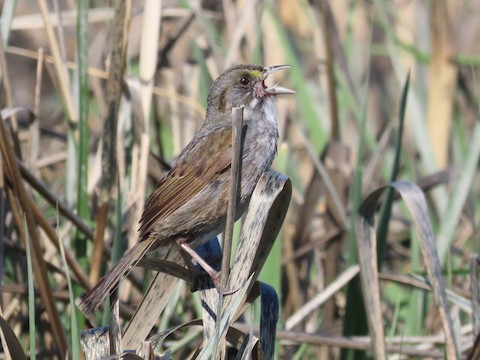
99, 97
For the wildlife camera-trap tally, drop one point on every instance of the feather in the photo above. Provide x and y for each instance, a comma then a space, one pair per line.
110, 281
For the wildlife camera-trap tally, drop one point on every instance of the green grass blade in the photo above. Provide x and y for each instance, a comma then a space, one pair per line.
73, 314
386, 210
83, 106
8, 11
82, 149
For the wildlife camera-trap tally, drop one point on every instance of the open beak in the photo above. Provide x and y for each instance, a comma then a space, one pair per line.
276, 89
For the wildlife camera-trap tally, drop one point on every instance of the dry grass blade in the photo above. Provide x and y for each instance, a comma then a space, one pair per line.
269, 312
164, 334
211, 347
10, 343
367, 254
152, 305
263, 220
264, 340
167, 267
95, 343
320, 298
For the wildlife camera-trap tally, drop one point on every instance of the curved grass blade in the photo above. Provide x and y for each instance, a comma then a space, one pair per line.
10, 341
268, 320
264, 217
367, 255
226, 320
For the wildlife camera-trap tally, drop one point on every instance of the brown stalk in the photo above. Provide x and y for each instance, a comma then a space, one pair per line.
114, 92
109, 176
38, 262
328, 23
96, 263
295, 337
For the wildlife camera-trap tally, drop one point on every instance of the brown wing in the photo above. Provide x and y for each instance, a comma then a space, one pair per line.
197, 165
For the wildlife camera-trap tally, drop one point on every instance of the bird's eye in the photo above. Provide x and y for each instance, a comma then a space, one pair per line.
244, 81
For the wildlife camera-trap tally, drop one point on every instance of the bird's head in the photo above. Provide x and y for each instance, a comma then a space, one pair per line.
243, 85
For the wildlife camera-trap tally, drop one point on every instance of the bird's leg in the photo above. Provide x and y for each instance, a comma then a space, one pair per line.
196, 278
211, 272
192, 254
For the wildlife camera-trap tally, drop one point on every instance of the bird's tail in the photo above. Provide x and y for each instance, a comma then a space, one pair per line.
110, 281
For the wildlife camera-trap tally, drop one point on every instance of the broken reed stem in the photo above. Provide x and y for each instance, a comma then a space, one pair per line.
237, 124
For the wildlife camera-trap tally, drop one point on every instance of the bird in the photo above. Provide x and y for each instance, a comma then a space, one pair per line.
189, 204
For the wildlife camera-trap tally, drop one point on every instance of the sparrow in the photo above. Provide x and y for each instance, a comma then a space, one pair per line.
189, 205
